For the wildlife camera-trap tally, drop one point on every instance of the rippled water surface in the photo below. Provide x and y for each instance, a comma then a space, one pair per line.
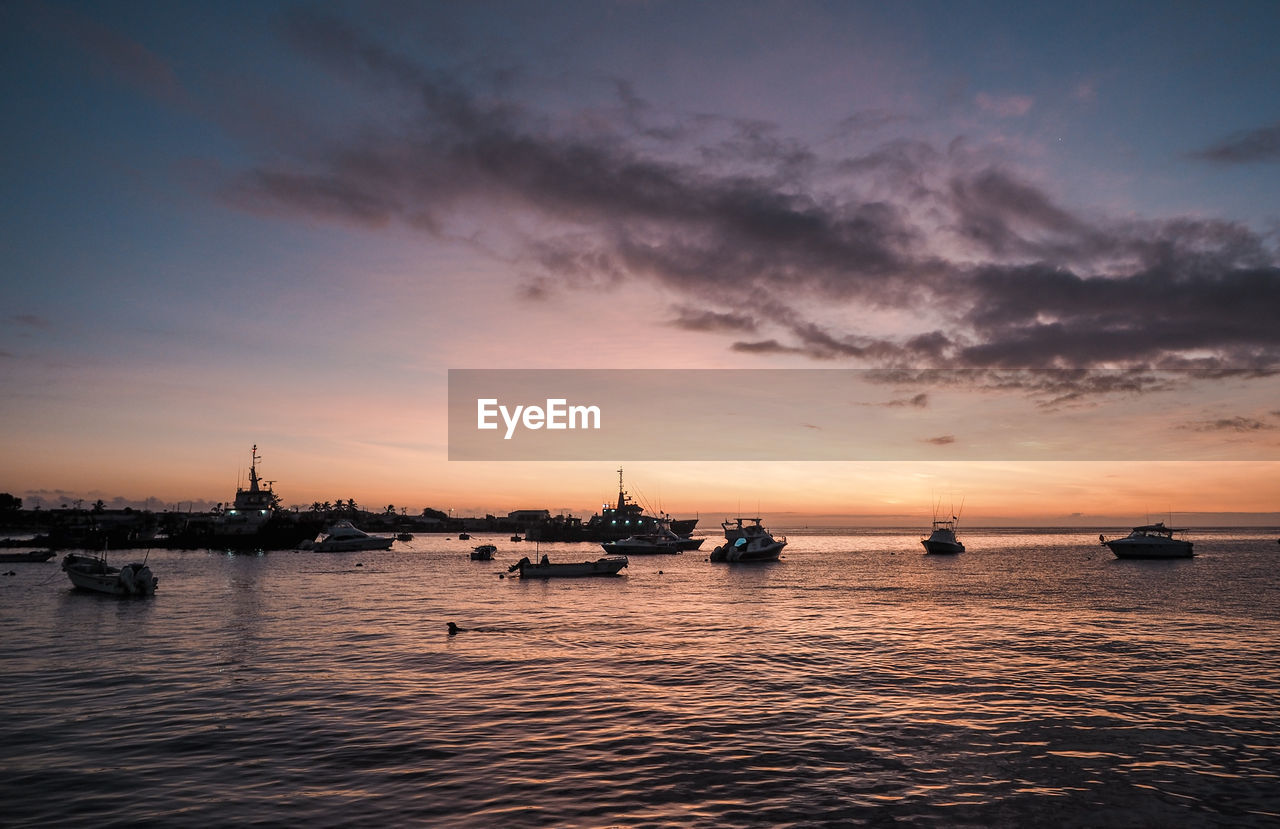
1032, 679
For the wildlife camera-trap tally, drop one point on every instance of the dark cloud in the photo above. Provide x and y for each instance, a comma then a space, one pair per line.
701, 319
31, 320
918, 401
940, 440
1228, 424
1247, 147
1000, 275
107, 49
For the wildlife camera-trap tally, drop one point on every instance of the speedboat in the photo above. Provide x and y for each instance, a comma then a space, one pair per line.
89, 572
747, 540
943, 541
1150, 541
483, 553
344, 537
645, 544
544, 569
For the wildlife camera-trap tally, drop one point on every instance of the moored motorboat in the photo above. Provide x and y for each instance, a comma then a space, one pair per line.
1150, 541
943, 541
34, 555
746, 540
344, 537
544, 569
644, 544
483, 553
90, 572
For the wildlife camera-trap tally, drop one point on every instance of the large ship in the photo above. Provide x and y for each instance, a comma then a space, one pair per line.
614, 522
254, 521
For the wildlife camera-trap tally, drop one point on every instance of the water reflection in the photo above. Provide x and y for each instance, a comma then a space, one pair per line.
1027, 680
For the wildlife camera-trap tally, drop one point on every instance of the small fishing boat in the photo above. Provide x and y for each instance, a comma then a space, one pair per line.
746, 540
483, 553
34, 555
1150, 541
545, 569
90, 572
943, 541
516, 537
344, 537
404, 536
464, 536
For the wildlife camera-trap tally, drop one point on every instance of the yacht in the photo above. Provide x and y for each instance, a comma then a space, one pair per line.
747, 540
1150, 541
943, 541
643, 544
344, 537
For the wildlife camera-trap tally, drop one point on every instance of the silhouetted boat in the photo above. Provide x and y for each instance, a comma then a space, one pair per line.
404, 536
647, 544
613, 523
545, 569
254, 521
943, 541
746, 540
344, 537
464, 536
1150, 541
483, 553
90, 572
34, 555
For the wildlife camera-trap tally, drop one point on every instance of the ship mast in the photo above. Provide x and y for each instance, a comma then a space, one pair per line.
253, 471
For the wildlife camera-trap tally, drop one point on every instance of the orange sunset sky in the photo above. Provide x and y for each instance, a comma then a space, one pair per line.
286, 228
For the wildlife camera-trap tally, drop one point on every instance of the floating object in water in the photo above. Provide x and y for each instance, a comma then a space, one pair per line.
454, 629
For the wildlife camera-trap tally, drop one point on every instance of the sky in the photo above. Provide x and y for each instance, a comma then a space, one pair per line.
282, 224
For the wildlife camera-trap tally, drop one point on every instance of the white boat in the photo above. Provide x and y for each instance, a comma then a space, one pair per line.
344, 537
89, 572
644, 544
483, 553
1150, 541
943, 541
544, 569
747, 540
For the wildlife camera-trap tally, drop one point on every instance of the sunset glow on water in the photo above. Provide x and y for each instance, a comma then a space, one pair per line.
1032, 678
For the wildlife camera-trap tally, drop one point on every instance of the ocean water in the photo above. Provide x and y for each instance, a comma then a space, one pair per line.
1033, 679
